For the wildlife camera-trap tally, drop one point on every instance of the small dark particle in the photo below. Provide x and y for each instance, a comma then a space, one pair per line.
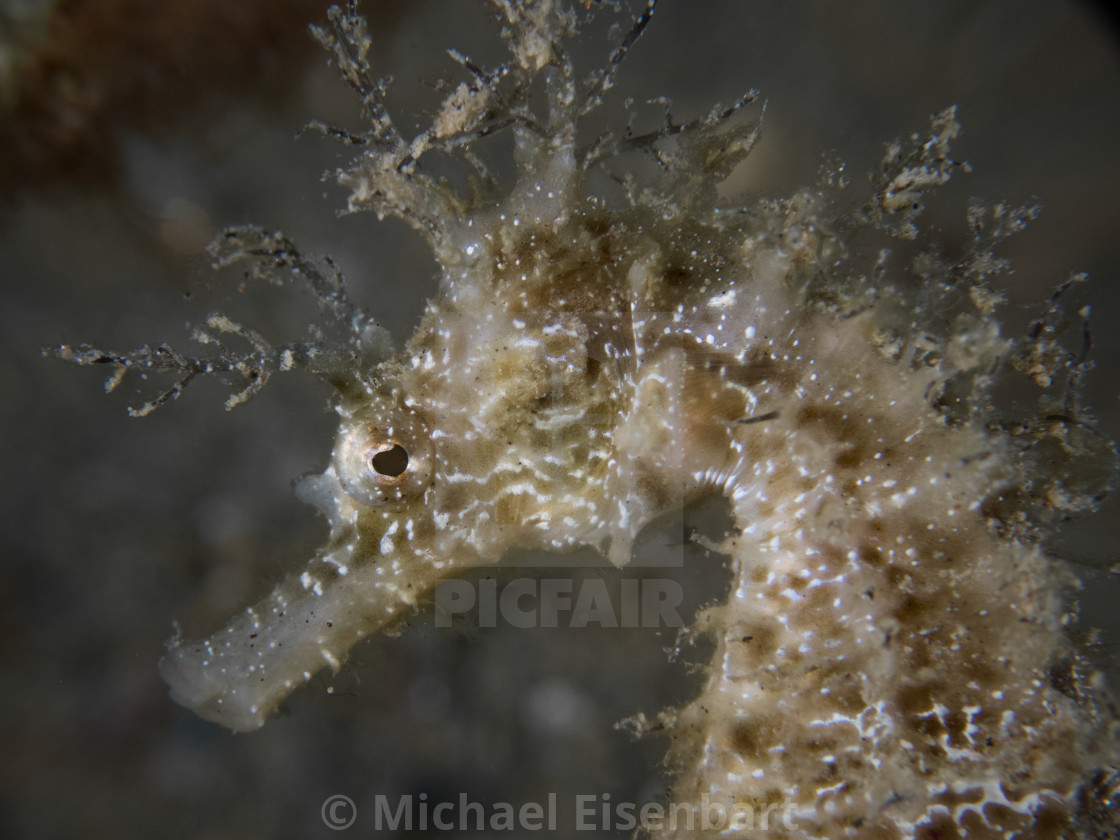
770, 415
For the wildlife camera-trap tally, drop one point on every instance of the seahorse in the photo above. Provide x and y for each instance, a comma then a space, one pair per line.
891, 660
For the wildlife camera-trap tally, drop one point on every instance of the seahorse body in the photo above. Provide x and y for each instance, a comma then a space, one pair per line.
888, 663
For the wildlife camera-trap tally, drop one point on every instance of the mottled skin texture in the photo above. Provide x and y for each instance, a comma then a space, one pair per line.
885, 656
890, 662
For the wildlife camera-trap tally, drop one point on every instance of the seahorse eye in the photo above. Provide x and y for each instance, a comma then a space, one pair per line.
391, 462
384, 456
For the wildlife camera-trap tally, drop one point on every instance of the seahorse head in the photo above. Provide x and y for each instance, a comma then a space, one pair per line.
496, 428
514, 417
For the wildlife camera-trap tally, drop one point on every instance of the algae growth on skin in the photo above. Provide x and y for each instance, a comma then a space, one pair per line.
615, 336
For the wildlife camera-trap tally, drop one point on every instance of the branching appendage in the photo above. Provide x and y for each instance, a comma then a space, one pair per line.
908, 171
268, 253
338, 363
388, 177
1067, 465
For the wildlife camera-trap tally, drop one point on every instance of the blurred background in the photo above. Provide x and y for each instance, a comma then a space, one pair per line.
130, 132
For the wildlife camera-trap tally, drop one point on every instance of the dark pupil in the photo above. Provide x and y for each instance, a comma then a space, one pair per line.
391, 462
